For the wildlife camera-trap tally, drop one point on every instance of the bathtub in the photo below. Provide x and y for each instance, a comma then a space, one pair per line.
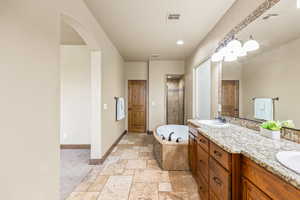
180, 131
171, 155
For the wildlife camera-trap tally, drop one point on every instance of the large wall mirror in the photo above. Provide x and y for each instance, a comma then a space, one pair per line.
265, 83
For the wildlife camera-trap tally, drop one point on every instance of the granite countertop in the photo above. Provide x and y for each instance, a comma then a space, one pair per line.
261, 150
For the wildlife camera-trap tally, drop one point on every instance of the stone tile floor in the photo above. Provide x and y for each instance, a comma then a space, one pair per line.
131, 173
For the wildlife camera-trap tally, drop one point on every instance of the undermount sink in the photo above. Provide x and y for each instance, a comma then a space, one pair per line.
290, 159
215, 123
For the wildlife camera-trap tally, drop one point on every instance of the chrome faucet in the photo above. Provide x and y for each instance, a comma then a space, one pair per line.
178, 139
170, 136
221, 119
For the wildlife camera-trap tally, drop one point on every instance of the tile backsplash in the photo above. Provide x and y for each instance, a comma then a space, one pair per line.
286, 133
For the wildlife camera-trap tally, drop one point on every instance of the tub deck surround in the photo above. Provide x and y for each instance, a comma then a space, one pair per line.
239, 140
171, 155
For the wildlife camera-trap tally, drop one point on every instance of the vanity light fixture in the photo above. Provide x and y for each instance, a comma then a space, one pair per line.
231, 56
180, 42
251, 45
241, 52
234, 45
217, 57
298, 3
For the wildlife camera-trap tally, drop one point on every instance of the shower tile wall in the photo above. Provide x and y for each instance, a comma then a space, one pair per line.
175, 101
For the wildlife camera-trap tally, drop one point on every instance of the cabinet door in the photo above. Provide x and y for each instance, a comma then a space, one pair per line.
192, 153
190, 150
202, 165
251, 192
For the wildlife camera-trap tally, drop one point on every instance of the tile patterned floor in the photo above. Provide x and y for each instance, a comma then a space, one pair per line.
131, 173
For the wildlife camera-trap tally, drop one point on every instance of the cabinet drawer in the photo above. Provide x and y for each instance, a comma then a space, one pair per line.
267, 182
203, 142
202, 165
219, 180
223, 157
203, 188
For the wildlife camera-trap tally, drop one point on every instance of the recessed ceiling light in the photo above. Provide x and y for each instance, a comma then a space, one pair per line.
180, 42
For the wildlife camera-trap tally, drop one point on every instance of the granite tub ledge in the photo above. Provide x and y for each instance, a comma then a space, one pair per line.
259, 149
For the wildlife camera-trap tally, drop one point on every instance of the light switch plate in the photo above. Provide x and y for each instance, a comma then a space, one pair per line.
105, 106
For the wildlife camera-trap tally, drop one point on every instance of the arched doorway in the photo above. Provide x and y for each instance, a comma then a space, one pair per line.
80, 104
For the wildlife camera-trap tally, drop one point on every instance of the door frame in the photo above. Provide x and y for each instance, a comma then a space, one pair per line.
237, 96
146, 103
182, 76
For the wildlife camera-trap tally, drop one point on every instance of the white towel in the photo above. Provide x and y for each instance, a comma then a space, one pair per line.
120, 108
263, 108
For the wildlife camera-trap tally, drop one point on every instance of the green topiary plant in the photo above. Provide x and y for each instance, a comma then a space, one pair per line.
272, 125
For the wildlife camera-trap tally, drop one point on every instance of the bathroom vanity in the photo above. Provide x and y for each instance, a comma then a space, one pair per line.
237, 163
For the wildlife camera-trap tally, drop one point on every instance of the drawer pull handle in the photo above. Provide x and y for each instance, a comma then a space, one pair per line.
217, 153
217, 180
202, 141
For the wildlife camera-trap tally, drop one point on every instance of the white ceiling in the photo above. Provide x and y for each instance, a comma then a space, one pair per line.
68, 36
139, 27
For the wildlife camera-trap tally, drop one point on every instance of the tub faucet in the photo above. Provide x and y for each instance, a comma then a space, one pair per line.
170, 136
178, 139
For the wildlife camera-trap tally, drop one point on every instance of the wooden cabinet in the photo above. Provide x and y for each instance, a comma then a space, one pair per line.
225, 176
203, 163
251, 192
269, 184
221, 156
212, 167
203, 142
203, 188
192, 151
219, 180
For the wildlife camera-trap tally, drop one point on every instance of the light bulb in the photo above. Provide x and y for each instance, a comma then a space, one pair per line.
180, 42
251, 45
298, 3
217, 57
231, 56
224, 51
234, 45
241, 52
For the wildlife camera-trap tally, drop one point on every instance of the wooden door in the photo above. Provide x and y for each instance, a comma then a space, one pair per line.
230, 98
137, 106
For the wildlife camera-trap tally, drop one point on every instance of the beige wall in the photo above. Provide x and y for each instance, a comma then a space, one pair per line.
29, 103
30, 93
234, 15
157, 89
75, 108
274, 73
134, 71
112, 69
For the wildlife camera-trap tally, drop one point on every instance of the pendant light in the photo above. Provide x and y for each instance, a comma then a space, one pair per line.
234, 45
230, 56
241, 52
251, 45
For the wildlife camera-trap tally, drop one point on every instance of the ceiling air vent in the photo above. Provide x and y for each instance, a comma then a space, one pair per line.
173, 16
155, 56
268, 16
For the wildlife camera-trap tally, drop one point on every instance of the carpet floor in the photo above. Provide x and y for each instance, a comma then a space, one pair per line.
73, 168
